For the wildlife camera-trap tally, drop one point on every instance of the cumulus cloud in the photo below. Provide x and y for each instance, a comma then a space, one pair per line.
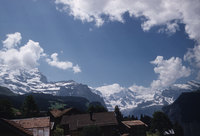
76, 69
170, 28
169, 71
193, 56
12, 40
139, 89
107, 90
165, 13
62, 64
28, 55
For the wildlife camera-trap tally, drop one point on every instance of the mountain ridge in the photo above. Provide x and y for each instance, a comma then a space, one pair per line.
33, 81
129, 101
133, 102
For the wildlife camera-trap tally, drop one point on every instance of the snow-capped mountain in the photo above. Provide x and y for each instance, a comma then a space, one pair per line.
142, 102
129, 100
25, 81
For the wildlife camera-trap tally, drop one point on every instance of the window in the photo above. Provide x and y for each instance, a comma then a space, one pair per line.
46, 131
40, 132
35, 132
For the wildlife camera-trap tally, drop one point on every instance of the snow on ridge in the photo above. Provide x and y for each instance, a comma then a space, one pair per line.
182, 86
127, 98
29, 81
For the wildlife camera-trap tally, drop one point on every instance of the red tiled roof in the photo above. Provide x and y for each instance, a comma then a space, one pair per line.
82, 120
133, 123
33, 122
57, 113
17, 126
125, 135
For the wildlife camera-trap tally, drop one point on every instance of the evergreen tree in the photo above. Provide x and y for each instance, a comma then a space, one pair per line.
29, 108
160, 122
59, 131
97, 108
141, 117
134, 118
147, 120
6, 109
118, 114
178, 129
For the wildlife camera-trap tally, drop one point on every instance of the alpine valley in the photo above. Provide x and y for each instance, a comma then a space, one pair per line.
129, 101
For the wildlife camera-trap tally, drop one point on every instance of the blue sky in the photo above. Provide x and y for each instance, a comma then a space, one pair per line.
114, 51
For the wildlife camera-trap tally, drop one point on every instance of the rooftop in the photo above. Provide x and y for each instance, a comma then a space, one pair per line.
133, 123
58, 113
33, 122
82, 120
16, 126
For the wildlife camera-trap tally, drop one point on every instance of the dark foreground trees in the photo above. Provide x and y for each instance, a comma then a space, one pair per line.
96, 108
178, 129
161, 123
59, 131
6, 109
118, 114
29, 108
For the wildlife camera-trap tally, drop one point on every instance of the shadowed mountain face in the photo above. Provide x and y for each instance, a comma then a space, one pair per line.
186, 111
45, 102
32, 81
6, 91
164, 97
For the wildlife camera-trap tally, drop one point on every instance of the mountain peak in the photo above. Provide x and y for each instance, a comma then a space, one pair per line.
23, 81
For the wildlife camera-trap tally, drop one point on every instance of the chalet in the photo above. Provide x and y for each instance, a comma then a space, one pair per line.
38, 126
56, 115
10, 128
134, 128
74, 124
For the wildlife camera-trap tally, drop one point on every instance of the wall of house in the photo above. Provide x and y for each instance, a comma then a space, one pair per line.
138, 130
75, 133
41, 131
108, 130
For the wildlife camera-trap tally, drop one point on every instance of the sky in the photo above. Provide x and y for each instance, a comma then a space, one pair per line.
109, 44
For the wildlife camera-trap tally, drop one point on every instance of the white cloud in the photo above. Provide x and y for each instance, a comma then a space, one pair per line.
170, 28
76, 69
28, 55
193, 56
166, 13
107, 90
169, 71
12, 40
62, 64
139, 89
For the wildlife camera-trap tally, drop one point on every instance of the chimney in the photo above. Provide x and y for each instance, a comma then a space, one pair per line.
91, 114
